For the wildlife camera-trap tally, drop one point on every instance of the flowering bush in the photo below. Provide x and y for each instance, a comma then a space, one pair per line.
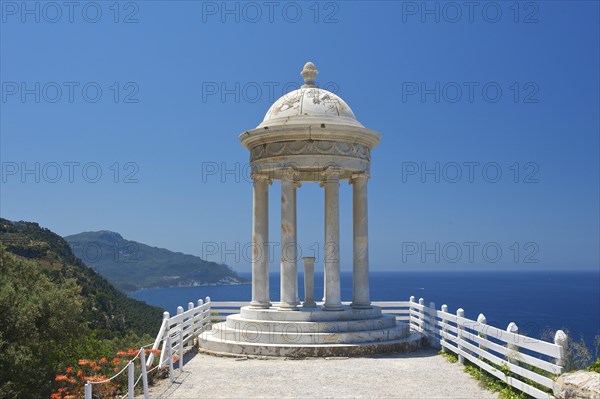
71, 383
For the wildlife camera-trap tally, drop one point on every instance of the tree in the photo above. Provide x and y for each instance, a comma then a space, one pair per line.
40, 320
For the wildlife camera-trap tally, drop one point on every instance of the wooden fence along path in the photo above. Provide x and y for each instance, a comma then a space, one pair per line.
175, 332
524, 363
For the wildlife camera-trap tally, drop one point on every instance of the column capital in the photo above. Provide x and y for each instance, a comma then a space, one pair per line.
290, 173
261, 177
356, 176
331, 174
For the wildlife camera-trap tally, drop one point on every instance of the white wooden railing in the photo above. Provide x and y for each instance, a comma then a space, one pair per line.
527, 360
176, 331
518, 360
174, 334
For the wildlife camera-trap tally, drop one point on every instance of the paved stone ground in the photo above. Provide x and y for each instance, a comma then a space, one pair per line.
422, 374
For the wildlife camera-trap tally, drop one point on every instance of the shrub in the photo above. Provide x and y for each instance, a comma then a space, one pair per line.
70, 384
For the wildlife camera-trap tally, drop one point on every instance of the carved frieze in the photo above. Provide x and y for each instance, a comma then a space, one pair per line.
310, 147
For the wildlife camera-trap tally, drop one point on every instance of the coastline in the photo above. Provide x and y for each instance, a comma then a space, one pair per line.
193, 285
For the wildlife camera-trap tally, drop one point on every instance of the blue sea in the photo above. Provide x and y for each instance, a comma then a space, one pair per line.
534, 300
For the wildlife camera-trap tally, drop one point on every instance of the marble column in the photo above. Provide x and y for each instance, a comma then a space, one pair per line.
289, 266
260, 239
360, 268
309, 282
332, 242
296, 185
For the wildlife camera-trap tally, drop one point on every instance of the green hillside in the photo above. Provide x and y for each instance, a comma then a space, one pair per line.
131, 265
106, 309
56, 310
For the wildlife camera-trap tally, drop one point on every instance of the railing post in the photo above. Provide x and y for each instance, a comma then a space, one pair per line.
444, 327
483, 321
433, 325
166, 316
207, 301
190, 321
201, 309
411, 300
511, 356
180, 325
560, 339
170, 359
423, 324
144, 372
181, 351
459, 327
130, 380
88, 390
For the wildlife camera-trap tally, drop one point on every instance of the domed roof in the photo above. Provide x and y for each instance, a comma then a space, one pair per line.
309, 105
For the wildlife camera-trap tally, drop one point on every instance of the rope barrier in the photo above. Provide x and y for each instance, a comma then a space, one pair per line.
119, 373
138, 380
124, 368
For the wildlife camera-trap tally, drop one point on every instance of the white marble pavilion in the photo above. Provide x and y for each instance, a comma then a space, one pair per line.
309, 135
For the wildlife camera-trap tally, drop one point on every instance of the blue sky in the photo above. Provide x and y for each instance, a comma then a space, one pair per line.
494, 89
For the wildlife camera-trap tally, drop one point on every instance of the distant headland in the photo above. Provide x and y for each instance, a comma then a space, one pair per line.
133, 266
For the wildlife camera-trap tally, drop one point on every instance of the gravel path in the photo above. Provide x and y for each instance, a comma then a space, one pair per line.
422, 374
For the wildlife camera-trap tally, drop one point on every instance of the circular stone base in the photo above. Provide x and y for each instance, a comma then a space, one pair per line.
309, 332
218, 348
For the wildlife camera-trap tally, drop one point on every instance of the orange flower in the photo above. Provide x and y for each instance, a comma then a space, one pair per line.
70, 397
116, 370
132, 352
80, 373
92, 364
83, 362
61, 378
97, 368
96, 378
102, 361
121, 354
154, 351
69, 370
56, 396
116, 361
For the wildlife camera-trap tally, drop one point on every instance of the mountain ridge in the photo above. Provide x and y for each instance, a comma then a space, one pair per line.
131, 265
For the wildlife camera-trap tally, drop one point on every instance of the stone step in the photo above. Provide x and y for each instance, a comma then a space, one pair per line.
221, 332
211, 344
310, 314
236, 321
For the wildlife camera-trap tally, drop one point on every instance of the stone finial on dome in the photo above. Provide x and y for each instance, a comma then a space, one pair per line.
309, 73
